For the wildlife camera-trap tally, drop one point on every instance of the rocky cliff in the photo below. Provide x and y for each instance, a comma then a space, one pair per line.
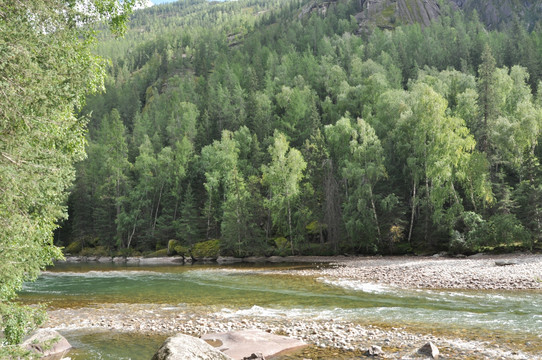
391, 13
387, 14
498, 13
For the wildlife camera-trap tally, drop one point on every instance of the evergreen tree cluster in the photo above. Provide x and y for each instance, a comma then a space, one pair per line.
271, 126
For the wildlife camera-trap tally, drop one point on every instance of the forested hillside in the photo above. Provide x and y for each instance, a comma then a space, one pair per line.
272, 127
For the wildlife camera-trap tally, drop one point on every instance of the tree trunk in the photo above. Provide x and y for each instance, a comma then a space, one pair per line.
290, 223
375, 216
157, 208
412, 213
238, 215
131, 236
428, 208
209, 215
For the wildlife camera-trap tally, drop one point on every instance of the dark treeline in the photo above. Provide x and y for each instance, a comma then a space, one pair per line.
277, 130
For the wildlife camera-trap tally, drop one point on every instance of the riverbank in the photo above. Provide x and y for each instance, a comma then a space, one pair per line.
478, 272
330, 339
336, 338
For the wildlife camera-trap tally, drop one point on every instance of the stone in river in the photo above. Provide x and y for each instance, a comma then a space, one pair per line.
185, 347
46, 342
240, 344
374, 351
256, 356
430, 350
506, 262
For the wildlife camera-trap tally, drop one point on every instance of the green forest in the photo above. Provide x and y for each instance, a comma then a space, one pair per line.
278, 127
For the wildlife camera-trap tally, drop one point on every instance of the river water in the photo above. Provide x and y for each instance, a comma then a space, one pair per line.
264, 291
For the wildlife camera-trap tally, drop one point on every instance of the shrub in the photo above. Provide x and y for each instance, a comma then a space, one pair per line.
127, 252
158, 253
171, 244
97, 251
181, 250
282, 245
74, 248
458, 244
206, 249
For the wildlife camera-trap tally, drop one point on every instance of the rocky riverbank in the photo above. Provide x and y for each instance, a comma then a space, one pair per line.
479, 272
330, 339
337, 339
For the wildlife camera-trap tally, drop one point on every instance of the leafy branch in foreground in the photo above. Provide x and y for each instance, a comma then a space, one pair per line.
47, 70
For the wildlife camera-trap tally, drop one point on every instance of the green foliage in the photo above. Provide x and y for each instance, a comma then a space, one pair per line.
283, 176
74, 248
158, 253
16, 321
206, 249
171, 244
47, 71
182, 250
95, 251
384, 142
282, 244
174, 247
314, 227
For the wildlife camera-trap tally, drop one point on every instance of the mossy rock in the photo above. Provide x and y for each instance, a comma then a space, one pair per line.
182, 250
171, 244
73, 248
206, 249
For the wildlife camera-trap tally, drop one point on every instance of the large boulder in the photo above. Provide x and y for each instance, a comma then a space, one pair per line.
46, 342
243, 343
185, 347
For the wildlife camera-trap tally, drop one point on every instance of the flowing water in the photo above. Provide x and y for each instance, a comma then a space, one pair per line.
259, 291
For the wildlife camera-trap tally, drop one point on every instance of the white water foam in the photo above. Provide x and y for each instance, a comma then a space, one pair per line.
371, 288
292, 313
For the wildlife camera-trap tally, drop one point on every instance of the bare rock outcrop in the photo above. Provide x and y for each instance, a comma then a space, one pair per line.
185, 347
243, 343
46, 342
388, 14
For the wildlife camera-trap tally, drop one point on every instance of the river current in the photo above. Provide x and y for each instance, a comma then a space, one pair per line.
268, 291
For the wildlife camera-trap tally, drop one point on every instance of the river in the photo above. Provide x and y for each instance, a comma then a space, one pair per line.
262, 291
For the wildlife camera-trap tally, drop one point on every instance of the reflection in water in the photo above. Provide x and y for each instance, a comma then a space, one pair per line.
109, 345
